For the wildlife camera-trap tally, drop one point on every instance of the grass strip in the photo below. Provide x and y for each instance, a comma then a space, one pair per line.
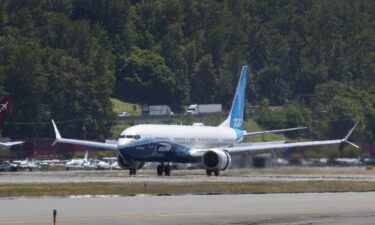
157, 188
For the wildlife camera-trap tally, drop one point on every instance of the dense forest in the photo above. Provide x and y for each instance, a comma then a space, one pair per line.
63, 59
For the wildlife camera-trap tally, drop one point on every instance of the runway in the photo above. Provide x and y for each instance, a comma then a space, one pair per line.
250, 209
242, 175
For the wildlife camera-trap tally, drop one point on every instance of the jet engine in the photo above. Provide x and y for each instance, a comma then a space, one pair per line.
216, 159
124, 163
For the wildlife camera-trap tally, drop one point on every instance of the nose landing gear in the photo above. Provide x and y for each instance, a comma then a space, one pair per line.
163, 168
160, 169
167, 170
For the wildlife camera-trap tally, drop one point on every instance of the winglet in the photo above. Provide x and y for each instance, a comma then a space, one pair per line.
348, 135
57, 133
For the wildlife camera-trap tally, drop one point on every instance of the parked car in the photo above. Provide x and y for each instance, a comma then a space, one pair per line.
124, 114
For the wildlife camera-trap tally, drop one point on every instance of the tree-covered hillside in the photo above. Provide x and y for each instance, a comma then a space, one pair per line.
63, 59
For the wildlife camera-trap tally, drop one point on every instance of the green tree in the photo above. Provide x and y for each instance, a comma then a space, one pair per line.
24, 79
337, 107
203, 82
3, 15
144, 77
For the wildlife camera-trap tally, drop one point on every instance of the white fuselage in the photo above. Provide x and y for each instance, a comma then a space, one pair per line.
188, 136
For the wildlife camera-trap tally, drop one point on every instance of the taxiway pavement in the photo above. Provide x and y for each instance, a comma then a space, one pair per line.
121, 176
255, 209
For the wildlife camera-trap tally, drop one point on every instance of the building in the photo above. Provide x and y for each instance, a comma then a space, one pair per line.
43, 148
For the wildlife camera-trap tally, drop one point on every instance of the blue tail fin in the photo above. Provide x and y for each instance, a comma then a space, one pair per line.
235, 118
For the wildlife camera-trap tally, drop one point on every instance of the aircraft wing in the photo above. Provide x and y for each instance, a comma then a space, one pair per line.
200, 152
277, 146
59, 139
8, 144
274, 131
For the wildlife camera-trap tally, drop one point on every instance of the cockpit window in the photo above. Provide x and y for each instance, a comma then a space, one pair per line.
131, 136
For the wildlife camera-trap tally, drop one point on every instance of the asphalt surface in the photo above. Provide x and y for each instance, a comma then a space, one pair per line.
251, 175
293, 209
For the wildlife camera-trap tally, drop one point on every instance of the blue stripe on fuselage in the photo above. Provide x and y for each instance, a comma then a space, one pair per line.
159, 151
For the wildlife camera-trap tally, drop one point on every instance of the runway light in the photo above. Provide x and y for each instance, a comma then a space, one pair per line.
54, 212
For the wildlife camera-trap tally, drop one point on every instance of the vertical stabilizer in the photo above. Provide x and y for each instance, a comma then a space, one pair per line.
235, 117
5, 102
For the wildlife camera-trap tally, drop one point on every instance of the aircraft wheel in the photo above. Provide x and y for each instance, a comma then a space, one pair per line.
132, 171
217, 172
167, 170
209, 172
160, 169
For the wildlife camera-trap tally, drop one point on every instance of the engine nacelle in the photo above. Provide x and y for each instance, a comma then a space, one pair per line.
216, 159
124, 163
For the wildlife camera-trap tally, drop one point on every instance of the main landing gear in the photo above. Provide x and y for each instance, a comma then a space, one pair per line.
132, 171
166, 169
209, 172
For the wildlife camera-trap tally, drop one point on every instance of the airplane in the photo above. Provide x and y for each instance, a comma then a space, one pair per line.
8, 166
210, 145
30, 165
87, 163
5, 102
84, 163
78, 163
